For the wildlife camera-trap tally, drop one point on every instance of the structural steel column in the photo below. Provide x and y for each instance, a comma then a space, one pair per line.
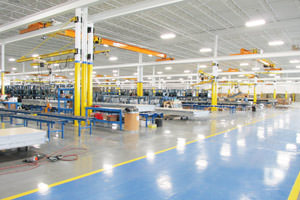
254, 95
153, 81
214, 89
274, 93
84, 61
77, 63
2, 68
286, 95
140, 77
90, 65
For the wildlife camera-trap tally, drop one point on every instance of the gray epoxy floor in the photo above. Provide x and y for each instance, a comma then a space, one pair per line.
109, 147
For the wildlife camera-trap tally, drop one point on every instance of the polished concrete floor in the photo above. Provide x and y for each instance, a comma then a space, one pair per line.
228, 156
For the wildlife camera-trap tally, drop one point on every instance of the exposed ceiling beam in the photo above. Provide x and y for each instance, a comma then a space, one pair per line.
144, 5
50, 12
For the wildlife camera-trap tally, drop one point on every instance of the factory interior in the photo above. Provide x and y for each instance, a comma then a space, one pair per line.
150, 99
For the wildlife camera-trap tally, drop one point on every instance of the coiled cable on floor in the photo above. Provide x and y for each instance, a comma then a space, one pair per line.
55, 156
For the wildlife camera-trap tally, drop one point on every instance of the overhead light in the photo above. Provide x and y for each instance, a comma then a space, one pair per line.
272, 74
149, 78
35, 55
276, 43
298, 66
135, 74
202, 66
241, 75
181, 79
204, 50
277, 76
150, 55
71, 73
13, 68
113, 58
255, 23
288, 81
168, 68
105, 45
94, 72
35, 66
169, 77
55, 64
224, 77
294, 61
27, 76
255, 68
115, 71
244, 64
11, 59
168, 36
187, 71
159, 72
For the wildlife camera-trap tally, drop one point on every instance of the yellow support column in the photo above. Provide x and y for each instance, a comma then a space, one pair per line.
77, 91
2, 84
274, 94
83, 87
254, 95
90, 85
153, 91
214, 96
286, 95
294, 95
140, 89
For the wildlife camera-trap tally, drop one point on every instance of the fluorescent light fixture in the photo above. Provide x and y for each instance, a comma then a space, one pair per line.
168, 68
94, 72
241, 75
113, 58
277, 76
55, 64
105, 45
255, 68
167, 36
202, 66
35, 55
276, 43
205, 50
35, 66
71, 73
187, 71
135, 73
223, 77
298, 66
272, 74
12, 59
253, 23
115, 71
294, 61
159, 72
244, 64
149, 78
181, 79
169, 77
150, 55
14, 69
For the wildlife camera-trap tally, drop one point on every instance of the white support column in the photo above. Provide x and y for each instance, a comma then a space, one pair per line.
84, 61
90, 59
140, 76
153, 81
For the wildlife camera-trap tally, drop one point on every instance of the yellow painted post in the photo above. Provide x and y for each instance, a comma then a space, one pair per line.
2, 84
90, 86
77, 91
214, 96
274, 94
228, 93
254, 95
140, 89
294, 95
83, 87
286, 95
153, 91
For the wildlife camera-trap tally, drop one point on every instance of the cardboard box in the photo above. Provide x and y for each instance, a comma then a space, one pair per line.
112, 118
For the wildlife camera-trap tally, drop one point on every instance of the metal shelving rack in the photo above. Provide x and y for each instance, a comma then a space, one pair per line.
65, 109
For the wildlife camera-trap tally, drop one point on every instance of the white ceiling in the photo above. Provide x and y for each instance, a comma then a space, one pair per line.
195, 22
